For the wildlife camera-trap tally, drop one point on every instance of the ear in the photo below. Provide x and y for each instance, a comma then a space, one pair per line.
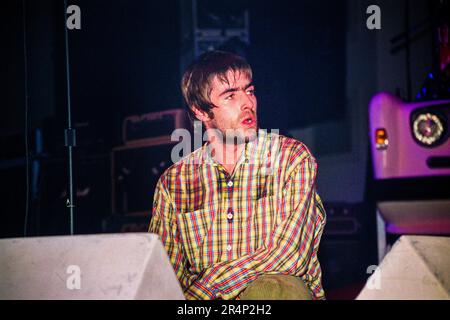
200, 114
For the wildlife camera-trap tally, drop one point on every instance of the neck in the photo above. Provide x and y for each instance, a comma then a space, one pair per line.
226, 154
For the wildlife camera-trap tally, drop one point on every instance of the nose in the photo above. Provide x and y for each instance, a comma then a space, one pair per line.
248, 102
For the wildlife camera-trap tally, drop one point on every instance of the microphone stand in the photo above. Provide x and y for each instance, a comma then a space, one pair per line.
69, 133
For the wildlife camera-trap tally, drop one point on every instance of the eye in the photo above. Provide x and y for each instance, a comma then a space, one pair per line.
229, 97
251, 91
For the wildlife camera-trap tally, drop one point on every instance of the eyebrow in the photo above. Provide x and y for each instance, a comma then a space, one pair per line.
235, 89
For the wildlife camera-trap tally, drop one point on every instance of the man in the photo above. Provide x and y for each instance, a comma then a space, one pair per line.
239, 216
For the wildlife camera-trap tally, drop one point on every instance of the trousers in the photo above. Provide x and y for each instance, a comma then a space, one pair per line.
276, 287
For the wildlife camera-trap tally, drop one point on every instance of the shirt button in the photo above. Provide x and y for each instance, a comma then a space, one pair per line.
230, 216
230, 183
229, 247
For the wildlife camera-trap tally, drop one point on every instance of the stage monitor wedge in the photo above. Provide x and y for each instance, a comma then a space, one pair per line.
416, 268
101, 267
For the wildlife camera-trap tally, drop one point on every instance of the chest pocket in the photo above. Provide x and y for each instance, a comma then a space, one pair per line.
264, 220
193, 227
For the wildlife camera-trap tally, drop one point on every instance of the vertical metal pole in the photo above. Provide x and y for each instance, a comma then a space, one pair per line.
69, 134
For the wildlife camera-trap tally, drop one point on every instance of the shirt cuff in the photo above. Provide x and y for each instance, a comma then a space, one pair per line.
201, 291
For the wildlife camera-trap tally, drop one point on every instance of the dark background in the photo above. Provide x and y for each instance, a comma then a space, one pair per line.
126, 60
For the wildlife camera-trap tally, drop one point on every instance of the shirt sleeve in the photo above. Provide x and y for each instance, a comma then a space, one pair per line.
291, 248
163, 223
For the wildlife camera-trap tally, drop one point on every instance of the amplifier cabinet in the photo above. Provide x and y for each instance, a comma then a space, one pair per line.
154, 127
135, 172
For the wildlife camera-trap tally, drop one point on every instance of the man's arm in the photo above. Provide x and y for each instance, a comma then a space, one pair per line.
163, 223
291, 248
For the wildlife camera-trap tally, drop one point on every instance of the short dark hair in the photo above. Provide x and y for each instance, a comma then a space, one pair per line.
196, 83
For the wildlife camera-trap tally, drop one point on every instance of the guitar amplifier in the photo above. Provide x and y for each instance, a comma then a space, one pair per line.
135, 170
154, 127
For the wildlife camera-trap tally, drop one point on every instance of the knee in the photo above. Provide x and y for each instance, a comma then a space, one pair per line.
276, 287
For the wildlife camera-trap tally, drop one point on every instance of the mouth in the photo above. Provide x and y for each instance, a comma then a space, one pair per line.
249, 121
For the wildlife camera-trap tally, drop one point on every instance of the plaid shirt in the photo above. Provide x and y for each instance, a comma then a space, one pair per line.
222, 231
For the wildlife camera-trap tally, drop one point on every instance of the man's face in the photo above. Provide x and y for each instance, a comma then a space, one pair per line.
235, 107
